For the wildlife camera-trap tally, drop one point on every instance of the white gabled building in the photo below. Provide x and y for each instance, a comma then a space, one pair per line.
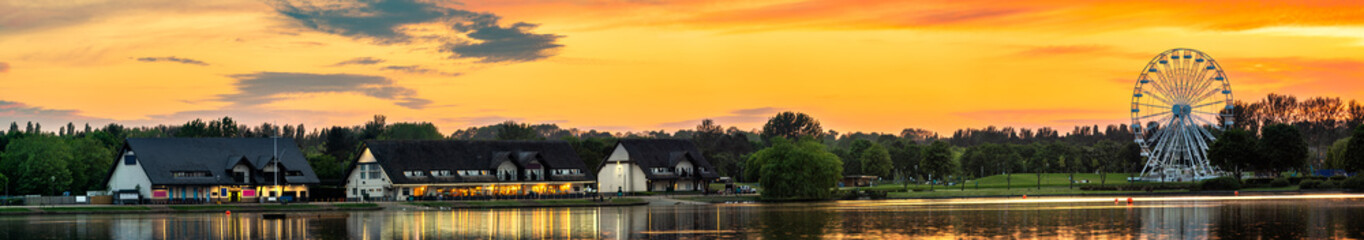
448, 169
655, 165
199, 170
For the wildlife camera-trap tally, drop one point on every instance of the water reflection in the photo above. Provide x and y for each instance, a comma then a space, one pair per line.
1227, 219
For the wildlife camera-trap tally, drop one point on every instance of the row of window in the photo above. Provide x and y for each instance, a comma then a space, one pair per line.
181, 174
566, 171
671, 170
370, 171
189, 174
444, 173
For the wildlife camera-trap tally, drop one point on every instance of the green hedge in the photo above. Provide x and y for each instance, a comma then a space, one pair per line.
1221, 183
1355, 183
1280, 182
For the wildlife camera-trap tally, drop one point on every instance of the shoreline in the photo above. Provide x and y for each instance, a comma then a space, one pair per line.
755, 198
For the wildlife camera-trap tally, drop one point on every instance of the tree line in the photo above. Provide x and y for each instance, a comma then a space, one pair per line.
911, 155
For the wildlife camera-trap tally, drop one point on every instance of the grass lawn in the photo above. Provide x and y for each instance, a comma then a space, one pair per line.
205, 207
74, 209
14, 210
355, 205
1018, 181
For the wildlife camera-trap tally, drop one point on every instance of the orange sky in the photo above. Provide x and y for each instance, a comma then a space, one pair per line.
648, 65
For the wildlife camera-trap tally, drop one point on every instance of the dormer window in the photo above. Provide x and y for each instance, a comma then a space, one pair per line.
130, 159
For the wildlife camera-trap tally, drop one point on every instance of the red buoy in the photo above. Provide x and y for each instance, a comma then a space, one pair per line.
1025, 196
1115, 200
229, 212
1129, 200
1238, 193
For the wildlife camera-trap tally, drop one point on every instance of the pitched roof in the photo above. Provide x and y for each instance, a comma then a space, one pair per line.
397, 156
658, 153
160, 157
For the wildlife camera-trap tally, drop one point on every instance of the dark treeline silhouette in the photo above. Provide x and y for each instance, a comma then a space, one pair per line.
81, 154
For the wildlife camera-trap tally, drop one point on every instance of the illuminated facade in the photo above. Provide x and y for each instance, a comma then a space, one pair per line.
444, 169
200, 170
638, 165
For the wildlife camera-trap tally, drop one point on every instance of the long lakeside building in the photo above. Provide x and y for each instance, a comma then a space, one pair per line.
640, 165
224, 170
201, 170
452, 169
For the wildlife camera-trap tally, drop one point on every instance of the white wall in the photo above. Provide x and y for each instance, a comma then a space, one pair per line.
685, 165
621, 175
371, 184
508, 167
130, 176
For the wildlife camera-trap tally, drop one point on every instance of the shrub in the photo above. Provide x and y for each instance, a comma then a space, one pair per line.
1309, 184
1355, 183
1221, 183
1327, 185
1279, 182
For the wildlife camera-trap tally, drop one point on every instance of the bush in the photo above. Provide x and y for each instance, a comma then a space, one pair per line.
1327, 185
1279, 182
1355, 183
1221, 183
1309, 184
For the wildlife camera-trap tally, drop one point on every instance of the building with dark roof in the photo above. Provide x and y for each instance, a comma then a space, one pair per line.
399, 169
638, 165
210, 169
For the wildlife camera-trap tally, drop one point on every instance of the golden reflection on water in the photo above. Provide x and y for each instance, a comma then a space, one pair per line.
1310, 216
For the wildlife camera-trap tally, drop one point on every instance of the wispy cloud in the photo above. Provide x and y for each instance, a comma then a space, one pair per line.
740, 116
482, 120
265, 87
11, 111
173, 59
4, 67
416, 69
466, 34
359, 61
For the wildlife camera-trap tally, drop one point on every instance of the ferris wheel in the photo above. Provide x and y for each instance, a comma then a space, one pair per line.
1181, 94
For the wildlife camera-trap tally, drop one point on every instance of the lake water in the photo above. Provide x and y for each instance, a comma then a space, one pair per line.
1156, 218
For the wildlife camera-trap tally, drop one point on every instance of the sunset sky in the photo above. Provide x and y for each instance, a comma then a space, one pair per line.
640, 65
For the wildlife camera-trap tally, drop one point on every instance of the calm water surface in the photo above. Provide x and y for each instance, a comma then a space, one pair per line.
1169, 218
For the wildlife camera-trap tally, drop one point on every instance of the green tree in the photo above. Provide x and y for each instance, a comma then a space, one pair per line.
326, 166
800, 170
1235, 151
1335, 156
38, 164
904, 157
511, 130
89, 164
876, 161
340, 142
1354, 151
591, 150
193, 128
411, 131
1282, 147
792, 126
852, 157
374, 128
937, 162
